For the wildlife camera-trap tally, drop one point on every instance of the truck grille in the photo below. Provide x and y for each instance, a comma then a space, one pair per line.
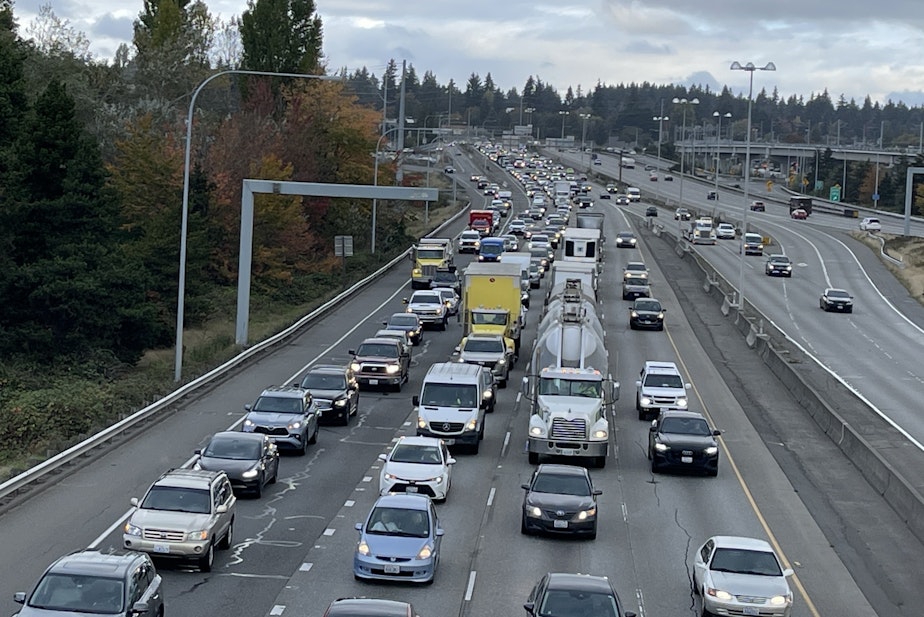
663, 401
379, 369
428, 270
447, 428
168, 535
563, 428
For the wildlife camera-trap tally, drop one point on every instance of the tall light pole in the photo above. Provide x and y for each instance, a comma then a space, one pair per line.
876, 190
660, 120
563, 115
718, 139
584, 118
684, 104
184, 226
750, 68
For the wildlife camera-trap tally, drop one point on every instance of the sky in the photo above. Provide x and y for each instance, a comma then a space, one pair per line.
846, 47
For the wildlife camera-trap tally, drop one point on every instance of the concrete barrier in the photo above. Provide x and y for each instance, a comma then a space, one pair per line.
892, 465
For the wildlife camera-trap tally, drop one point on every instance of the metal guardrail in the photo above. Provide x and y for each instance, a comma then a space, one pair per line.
61, 459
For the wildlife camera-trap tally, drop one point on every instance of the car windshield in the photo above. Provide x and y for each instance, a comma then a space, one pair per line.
79, 594
561, 484
427, 298
416, 453
539, 252
234, 448
177, 499
554, 386
403, 320
398, 522
752, 238
636, 280
560, 602
837, 293
445, 276
743, 561
278, 404
481, 318
685, 426
663, 381
637, 267
381, 350
648, 305
429, 253
780, 259
626, 235
449, 395
447, 294
484, 345
324, 381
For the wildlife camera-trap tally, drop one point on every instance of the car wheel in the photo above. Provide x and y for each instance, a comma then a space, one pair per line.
304, 449
258, 491
443, 325
206, 561
225, 542
713, 472
593, 533
533, 458
850, 310
631, 325
648, 453
600, 462
345, 421
314, 435
523, 528
654, 467
661, 327
476, 446
275, 473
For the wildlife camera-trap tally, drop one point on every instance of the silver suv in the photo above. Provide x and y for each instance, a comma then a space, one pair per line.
186, 514
118, 583
489, 351
287, 414
660, 388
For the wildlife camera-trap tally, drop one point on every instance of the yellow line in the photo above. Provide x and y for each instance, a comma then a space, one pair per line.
747, 492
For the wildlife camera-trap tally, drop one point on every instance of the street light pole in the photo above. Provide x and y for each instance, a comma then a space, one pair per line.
718, 138
684, 103
750, 68
660, 120
184, 225
584, 118
563, 114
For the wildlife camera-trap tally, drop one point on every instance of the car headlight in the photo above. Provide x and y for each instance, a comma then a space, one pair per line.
536, 431
781, 600
249, 422
251, 473
789, 267
426, 552
415, 272
661, 315
390, 476
436, 480
362, 548
472, 424
634, 314
354, 366
340, 402
131, 530
599, 434
488, 394
391, 369
718, 593
533, 511
645, 400
421, 423
586, 514
711, 450
200, 535
294, 426
660, 447
682, 401
502, 362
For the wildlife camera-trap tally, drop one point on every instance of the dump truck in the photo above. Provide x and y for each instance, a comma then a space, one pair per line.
430, 255
801, 202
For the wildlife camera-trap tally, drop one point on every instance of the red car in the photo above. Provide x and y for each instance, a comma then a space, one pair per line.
799, 213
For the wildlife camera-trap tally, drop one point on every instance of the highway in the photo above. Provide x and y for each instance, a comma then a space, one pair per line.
293, 548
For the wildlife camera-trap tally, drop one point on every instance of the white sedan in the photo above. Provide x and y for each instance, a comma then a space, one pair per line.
741, 576
417, 465
725, 231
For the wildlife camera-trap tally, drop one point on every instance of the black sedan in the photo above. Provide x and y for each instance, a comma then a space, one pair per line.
836, 300
560, 499
408, 322
250, 460
651, 211
335, 392
561, 594
646, 313
626, 239
683, 440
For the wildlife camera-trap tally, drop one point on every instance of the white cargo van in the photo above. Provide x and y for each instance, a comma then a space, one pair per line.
634, 194
452, 403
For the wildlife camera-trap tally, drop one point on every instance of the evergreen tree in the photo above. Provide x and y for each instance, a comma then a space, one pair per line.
281, 36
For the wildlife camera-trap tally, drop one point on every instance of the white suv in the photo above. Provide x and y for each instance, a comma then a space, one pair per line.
469, 241
429, 306
659, 388
870, 224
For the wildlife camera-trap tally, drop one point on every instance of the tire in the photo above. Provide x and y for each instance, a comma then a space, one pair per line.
205, 562
275, 474
346, 418
642, 415
648, 453
443, 325
654, 467
712, 473
304, 449
631, 325
523, 528
475, 446
661, 327
225, 543
258, 492
533, 458
593, 534
314, 435
600, 462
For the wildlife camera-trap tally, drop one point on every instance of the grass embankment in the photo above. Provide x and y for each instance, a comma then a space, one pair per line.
46, 409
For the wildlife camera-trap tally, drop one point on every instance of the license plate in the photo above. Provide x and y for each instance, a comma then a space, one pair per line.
373, 382
560, 524
411, 489
568, 452
392, 568
750, 610
161, 548
687, 459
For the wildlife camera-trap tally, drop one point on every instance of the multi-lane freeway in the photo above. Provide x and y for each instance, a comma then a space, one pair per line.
293, 547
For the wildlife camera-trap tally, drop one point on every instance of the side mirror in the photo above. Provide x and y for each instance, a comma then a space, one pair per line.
140, 608
687, 386
19, 597
597, 491
352, 352
450, 461
716, 432
524, 486
415, 400
221, 509
134, 501
638, 383
247, 407
384, 323
404, 300
530, 607
439, 532
788, 572
383, 457
358, 526
197, 452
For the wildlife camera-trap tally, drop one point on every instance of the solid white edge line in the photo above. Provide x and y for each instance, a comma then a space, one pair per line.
469, 590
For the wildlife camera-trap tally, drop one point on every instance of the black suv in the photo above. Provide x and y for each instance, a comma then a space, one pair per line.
447, 277
646, 313
683, 440
287, 414
335, 392
573, 595
117, 583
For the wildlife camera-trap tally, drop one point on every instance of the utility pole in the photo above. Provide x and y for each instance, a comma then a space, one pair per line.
399, 173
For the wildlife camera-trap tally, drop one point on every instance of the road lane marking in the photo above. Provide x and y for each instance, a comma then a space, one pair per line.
329, 532
506, 444
491, 497
305, 567
471, 586
278, 609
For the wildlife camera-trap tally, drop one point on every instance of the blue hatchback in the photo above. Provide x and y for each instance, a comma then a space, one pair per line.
400, 540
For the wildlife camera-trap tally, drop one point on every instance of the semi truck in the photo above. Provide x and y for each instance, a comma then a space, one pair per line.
430, 255
591, 220
492, 301
571, 391
801, 201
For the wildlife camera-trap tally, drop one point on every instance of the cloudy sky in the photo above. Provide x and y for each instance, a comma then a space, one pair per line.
848, 47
